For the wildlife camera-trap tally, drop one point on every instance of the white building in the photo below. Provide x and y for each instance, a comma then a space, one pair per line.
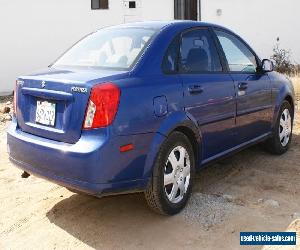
33, 33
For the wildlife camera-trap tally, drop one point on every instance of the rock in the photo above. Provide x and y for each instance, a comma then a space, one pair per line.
2, 119
8, 103
228, 197
272, 203
296, 215
5, 110
7, 117
260, 200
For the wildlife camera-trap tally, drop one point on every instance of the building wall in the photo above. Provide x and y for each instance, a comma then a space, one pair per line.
259, 22
33, 33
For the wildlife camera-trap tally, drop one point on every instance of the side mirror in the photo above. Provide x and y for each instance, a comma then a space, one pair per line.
267, 65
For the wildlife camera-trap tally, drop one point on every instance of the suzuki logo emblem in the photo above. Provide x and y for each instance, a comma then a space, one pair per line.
43, 84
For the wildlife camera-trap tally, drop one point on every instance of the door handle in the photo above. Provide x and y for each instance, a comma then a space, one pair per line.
195, 89
243, 86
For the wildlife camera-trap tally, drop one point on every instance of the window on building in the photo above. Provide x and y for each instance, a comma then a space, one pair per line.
198, 53
99, 4
132, 4
186, 9
238, 55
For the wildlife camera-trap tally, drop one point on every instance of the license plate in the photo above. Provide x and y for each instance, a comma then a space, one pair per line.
45, 113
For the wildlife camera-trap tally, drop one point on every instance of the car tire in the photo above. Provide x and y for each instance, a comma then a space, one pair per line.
282, 133
170, 185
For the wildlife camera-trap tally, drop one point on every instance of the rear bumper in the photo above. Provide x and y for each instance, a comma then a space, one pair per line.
97, 189
93, 165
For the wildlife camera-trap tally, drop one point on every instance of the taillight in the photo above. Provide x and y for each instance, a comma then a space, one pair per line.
102, 106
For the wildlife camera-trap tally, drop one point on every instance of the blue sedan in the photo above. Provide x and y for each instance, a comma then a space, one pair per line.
140, 107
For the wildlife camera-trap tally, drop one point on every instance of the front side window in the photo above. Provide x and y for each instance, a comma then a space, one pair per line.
198, 53
238, 55
113, 48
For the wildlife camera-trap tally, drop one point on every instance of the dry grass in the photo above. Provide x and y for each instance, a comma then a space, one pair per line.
296, 82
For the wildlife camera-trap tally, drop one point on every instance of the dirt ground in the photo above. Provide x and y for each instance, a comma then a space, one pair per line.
251, 191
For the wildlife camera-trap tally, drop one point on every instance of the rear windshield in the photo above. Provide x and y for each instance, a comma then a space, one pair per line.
111, 48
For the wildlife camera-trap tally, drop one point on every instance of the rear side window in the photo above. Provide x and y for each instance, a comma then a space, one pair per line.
170, 62
198, 53
238, 55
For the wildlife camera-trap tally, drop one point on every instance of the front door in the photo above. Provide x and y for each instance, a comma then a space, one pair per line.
253, 91
209, 95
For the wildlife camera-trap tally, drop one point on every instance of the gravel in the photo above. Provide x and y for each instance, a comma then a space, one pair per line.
272, 203
296, 215
6, 109
207, 210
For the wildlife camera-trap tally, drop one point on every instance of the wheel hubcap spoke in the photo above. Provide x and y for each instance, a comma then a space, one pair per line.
281, 135
168, 179
186, 170
182, 152
282, 123
174, 191
172, 159
182, 188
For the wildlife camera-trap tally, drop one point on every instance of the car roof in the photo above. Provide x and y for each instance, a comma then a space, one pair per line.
162, 24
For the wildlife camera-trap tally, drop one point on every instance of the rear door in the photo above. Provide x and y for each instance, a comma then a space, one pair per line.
253, 91
209, 95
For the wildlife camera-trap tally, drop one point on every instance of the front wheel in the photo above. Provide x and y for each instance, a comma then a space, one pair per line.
171, 183
282, 133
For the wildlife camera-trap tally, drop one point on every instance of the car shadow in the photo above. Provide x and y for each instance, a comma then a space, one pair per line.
110, 222
125, 220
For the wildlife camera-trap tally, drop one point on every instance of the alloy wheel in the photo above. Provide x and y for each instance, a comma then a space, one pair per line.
177, 174
285, 127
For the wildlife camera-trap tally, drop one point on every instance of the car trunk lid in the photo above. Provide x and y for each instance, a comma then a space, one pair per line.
52, 103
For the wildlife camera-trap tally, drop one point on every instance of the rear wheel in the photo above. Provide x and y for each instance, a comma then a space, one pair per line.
171, 183
282, 134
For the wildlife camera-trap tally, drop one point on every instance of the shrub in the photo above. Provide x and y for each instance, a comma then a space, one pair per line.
282, 61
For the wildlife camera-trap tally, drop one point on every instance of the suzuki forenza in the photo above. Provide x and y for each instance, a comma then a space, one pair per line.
140, 107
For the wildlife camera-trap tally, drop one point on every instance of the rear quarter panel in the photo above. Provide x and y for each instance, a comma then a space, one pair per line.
136, 109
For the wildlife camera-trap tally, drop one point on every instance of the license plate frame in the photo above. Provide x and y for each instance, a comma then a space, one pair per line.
45, 113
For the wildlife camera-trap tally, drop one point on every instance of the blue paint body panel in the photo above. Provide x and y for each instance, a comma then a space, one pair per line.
152, 105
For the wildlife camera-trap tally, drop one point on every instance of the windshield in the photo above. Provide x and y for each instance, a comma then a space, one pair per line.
112, 48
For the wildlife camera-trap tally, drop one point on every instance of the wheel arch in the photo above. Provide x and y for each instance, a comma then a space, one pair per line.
284, 94
290, 100
180, 122
192, 136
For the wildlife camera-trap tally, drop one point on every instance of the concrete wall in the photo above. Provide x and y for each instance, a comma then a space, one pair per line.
33, 33
259, 22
